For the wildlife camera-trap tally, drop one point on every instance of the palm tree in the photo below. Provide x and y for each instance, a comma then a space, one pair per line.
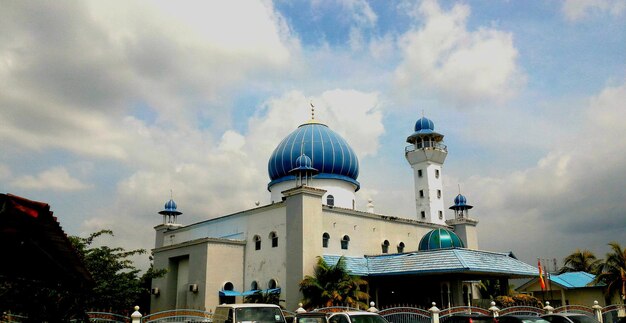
333, 286
581, 260
613, 271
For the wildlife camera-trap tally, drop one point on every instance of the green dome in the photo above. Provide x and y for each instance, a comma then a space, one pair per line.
440, 239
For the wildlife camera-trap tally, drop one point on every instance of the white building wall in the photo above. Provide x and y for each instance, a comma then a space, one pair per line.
213, 261
268, 262
343, 192
367, 233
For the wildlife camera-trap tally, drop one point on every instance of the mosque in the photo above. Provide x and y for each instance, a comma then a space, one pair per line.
313, 173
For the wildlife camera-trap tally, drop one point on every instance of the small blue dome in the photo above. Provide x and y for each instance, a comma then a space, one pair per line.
460, 200
424, 124
170, 208
440, 239
327, 151
460, 203
303, 161
303, 164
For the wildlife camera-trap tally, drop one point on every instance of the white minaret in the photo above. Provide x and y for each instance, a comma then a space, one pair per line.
426, 155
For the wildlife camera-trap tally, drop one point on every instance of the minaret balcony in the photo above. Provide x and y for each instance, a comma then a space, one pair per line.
426, 145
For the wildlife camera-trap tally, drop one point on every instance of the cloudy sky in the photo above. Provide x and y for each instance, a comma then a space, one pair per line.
107, 106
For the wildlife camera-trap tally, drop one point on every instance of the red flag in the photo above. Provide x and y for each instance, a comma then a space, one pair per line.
541, 281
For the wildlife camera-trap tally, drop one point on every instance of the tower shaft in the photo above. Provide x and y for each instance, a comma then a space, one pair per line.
426, 155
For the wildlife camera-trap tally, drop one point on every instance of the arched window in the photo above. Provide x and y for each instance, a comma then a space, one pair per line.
272, 284
344, 242
385, 246
330, 200
254, 285
325, 238
400, 247
228, 286
274, 239
257, 242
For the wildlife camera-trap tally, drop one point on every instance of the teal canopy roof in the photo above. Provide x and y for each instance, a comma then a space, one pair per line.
440, 239
454, 260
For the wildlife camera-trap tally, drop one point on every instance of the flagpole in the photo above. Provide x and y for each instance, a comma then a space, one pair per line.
549, 283
542, 284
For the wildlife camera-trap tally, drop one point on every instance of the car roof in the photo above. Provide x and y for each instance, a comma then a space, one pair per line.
248, 305
354, 313
316, 314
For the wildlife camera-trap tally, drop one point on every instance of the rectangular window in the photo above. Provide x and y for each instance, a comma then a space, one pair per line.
438, 193
436, 173
419, 173
423, 215
440, 214
421, 193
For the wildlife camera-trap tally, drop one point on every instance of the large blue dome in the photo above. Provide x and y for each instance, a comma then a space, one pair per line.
330, 154
440, 239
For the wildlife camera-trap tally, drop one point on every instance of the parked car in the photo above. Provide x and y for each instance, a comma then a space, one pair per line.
260, 313
469, 318
355, 317
521, 319
569, 318
311, 317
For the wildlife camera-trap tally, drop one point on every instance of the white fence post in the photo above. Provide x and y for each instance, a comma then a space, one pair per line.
136, 316
597, 310
549, 309
375, 310
495, 310
435, 314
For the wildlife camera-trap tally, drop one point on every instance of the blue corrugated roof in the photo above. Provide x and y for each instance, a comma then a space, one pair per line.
576, 279
436, 261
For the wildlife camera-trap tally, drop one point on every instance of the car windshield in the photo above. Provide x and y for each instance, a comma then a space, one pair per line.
356, 318
258, 314
534, 320
480, 320
318, 319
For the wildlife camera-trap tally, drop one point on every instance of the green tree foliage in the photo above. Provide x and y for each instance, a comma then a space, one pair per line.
489, 288
613, 270
262, 297
118, 285
581, 260
333, 286
41, 302
517, 300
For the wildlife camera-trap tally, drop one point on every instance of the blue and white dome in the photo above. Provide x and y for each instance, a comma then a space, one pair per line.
440, 239
170, 208
460, 200
304, 163
424, 128
424, 125
329, 154
460, 203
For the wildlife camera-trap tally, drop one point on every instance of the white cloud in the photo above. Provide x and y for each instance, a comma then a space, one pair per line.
5, 172
575, 10
456, 65
574, 190
71, 79
56, 178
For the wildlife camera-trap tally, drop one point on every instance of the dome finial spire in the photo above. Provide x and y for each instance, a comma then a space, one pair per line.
312, 110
